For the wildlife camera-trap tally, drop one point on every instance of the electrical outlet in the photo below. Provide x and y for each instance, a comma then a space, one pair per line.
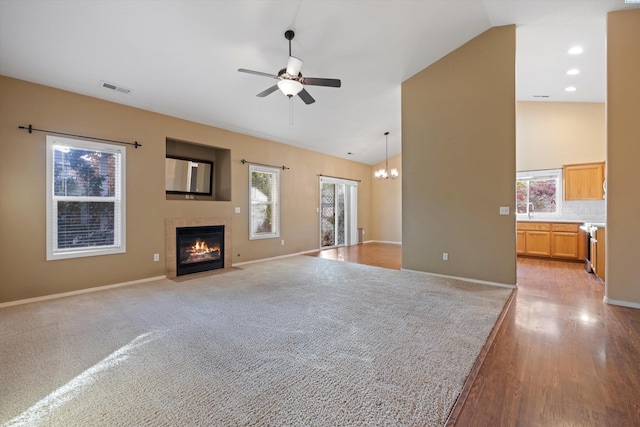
237, 209
445, 256
504, 210
282, 242
156, 257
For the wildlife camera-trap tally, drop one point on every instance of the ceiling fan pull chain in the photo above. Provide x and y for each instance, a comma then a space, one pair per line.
291, 111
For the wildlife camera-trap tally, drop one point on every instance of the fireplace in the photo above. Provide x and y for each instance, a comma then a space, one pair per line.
171, 243
199, 248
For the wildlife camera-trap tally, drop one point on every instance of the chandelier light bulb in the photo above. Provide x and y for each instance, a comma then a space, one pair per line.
382, 173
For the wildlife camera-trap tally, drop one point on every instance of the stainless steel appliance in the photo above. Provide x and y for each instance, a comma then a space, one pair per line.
586, 237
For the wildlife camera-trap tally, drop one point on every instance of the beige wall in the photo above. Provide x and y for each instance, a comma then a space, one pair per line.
26, 274
458, 161
623, 154
387, 199
552, 134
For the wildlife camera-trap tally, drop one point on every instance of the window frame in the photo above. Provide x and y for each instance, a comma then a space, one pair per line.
536, 175
274, 202
119, 200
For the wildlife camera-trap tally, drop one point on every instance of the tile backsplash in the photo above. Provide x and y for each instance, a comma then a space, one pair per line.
585, 210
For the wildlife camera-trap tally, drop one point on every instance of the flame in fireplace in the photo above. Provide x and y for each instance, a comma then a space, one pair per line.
201, 251
200, 248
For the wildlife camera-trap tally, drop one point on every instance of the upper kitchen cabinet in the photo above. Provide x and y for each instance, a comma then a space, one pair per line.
584, 181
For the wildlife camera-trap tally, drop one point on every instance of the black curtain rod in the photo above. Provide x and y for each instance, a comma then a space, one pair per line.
31, 129
339, 177
283, 167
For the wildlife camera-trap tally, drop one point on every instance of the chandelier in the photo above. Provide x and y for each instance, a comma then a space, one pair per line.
382, 173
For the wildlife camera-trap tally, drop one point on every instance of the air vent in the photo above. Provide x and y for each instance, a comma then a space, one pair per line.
114, 87
541, 96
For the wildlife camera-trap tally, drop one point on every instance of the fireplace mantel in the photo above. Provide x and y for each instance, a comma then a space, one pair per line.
170, 239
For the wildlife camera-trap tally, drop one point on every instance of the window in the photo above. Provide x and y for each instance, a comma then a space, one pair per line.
264, 197
85, 198
539, 193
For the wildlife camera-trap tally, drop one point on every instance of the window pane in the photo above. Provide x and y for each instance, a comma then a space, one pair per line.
264, 221
85, 224
542, 194
80, 172
521, 197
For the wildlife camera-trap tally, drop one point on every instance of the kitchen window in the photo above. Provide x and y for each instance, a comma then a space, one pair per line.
264, 198
85, 198
539, 193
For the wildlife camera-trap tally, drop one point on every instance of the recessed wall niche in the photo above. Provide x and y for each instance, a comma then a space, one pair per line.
221, 159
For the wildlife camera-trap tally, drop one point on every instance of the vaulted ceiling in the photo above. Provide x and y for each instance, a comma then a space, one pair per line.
181, 58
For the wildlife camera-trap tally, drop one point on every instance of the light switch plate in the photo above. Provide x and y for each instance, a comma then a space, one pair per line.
504, 210
237, 209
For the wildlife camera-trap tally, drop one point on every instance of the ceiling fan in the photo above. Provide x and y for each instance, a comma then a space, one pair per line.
290, 80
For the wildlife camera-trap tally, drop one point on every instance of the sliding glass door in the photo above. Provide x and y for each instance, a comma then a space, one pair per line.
338, 212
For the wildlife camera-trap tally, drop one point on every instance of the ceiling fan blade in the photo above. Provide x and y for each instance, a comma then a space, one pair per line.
315, 81
257, 73
306, 97
268, 91
293, 66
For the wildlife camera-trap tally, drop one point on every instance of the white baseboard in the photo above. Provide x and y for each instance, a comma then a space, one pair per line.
79, 292
466, 279
383, 241
621, 303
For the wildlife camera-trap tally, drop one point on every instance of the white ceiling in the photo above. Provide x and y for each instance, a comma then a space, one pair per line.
180, 58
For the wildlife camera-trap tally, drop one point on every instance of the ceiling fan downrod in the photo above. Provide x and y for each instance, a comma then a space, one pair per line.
289, 35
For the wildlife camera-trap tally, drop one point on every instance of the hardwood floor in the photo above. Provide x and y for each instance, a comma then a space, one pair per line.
562, 357
385, 255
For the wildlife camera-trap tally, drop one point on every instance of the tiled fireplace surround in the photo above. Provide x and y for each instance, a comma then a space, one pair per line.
170, 239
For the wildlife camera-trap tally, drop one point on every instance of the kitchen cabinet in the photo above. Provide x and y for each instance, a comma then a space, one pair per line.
549, 240
521, 242
598, 253
584, 181
564, 241
536, 237
538, 243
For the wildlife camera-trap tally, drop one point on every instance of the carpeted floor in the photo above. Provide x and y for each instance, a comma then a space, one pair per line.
299, 341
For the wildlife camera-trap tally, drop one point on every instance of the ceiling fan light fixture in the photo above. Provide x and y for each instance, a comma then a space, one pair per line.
290, 87
293, 66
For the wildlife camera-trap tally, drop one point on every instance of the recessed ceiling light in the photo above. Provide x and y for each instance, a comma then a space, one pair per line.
576, 50
573, 71
570, 89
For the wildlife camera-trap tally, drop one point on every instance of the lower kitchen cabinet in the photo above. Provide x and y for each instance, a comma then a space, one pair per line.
598, 253
521, 242
564, 241
544, 239
538, 243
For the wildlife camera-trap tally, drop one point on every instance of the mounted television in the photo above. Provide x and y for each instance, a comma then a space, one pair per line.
188, 176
